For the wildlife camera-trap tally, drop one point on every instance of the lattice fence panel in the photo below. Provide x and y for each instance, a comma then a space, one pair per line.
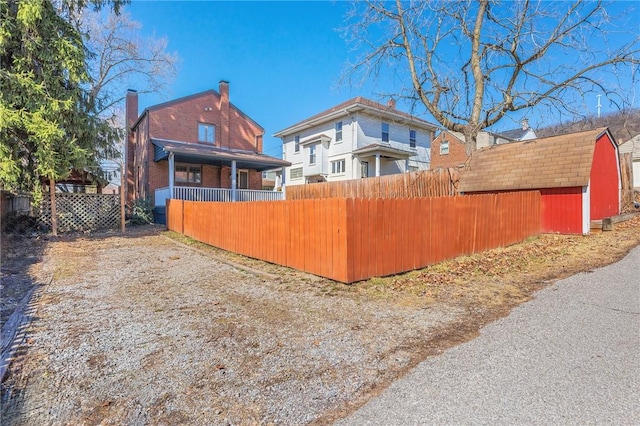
82, 212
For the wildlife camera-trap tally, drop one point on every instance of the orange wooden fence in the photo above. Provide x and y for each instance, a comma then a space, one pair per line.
426, 183
354, 239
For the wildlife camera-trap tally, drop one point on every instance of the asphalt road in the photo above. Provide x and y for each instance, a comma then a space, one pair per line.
570, 356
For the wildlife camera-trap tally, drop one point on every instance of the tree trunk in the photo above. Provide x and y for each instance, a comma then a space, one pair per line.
54, 212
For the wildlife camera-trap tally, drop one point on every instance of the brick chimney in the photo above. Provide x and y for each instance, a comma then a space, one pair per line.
391, 103
131, 115
225, 140
525, 124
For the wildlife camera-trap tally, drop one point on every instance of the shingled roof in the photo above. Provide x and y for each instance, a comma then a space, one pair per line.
352, 105
552, 162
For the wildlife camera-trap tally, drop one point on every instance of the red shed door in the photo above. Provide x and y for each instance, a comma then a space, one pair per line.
605, 178
562, 210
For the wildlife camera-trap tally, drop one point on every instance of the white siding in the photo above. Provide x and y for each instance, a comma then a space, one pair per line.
358, 130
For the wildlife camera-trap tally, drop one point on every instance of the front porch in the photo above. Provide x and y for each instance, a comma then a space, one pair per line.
237, 162
379, 152
214, 194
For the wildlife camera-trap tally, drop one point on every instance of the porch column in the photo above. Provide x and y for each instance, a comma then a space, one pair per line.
172, 168
233, 180
377, 165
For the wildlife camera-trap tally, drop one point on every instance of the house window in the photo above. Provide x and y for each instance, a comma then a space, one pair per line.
264, 175
296, 173
385, 132
338, 131
242, 179
412, 138
312, 154
297, 146
364, 169
337, 167
444, 148
206, 133
186, 173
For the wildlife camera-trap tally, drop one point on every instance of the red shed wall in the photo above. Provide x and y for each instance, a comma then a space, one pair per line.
605, 179
562, 210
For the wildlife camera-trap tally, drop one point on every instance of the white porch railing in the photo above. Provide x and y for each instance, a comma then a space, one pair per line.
214, 194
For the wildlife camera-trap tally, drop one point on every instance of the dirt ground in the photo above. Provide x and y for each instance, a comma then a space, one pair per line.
153, 328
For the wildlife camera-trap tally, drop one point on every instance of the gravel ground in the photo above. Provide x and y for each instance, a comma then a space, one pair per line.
141, 330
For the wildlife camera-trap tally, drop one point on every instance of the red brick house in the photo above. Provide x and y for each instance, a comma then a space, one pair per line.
448, 149
197, 147
577, 174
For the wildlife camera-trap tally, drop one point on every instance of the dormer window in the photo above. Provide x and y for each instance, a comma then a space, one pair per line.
206, 133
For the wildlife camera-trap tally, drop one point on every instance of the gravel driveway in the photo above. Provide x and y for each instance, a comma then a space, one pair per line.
142, 330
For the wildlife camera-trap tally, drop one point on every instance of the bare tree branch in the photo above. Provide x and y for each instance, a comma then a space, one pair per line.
122, 59
472, 63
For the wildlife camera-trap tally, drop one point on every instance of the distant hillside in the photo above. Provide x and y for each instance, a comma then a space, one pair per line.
622, 124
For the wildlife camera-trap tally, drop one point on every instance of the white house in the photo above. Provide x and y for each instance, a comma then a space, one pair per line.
358, 138
633, 146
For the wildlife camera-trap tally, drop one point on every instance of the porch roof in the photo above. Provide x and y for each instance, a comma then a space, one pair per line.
205, 154
384, 150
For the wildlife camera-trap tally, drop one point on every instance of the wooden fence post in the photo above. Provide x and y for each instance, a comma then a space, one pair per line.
626, 175
54, 212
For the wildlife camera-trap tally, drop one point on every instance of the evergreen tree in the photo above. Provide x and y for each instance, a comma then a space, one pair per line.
48, 125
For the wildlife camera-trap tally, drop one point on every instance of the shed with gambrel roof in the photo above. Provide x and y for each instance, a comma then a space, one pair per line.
577, 174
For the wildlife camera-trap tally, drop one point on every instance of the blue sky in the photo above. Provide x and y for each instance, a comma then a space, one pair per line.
283, 59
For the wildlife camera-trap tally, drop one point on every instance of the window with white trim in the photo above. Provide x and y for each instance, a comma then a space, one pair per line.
338, 167
444, 148
295, 173
412, 138
312, 154
338, 131
297, 144
206, 133
385, 132
364, 169
188, 173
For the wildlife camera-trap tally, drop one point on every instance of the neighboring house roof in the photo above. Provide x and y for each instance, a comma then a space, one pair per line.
456, 135
384, 150
353, 105
191, 152
514, 134
632, 145
190, 97
553, 162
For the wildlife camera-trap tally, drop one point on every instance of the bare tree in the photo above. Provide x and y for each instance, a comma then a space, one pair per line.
120, 58
471, 63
